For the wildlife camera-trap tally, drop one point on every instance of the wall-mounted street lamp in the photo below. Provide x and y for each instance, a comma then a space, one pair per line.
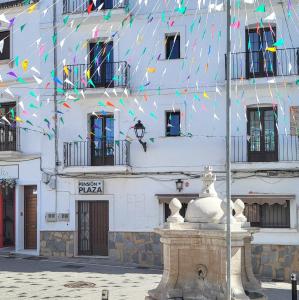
179, 185
139, 132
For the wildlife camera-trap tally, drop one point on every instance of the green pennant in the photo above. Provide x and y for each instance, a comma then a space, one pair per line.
261, 8
65, 19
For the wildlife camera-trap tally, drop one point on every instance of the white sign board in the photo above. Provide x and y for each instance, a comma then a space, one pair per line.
9, 172
91, 187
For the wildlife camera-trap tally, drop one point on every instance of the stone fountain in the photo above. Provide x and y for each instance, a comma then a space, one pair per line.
194, 250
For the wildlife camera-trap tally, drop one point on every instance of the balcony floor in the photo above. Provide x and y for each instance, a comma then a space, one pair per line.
117, 15
267, 166
96, 169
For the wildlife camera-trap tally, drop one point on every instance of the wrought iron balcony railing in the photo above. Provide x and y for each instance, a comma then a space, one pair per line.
255, 64
107, 75
9, 136
279, 148
103, 152
80, 6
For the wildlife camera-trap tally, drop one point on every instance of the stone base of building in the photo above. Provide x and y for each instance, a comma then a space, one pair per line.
275, 262
141, 248
57, 243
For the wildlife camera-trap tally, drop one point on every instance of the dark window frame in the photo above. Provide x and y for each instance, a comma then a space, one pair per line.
262, 155
6, 53
102, 150
168, 128
262, 72
105, 76
267, 215
170, 45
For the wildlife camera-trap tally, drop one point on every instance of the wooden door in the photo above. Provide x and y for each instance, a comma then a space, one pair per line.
93, 227
30, 207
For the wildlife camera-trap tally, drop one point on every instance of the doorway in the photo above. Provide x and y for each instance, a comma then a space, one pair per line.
7, 216
30, 217
263, 134
102, 140
101, 64
93, 228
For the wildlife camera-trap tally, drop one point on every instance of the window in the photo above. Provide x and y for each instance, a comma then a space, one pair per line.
104, 4
262, 134
173, 123
260, 63
101, 64
102, 140
4, 45
268, 215
294, 120
8, 133
173, 45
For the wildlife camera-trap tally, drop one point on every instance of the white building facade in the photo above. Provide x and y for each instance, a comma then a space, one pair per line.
119, 62
20, 147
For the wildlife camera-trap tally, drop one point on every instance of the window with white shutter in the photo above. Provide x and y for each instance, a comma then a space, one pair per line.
294, 120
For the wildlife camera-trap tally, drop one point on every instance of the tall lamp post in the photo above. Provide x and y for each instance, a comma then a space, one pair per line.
228, 150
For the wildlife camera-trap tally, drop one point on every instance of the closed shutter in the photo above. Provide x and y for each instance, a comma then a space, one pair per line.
294, 120
4, 45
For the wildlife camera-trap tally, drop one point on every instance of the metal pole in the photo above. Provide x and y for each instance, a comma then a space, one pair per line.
228, 150
55, 100
294, 286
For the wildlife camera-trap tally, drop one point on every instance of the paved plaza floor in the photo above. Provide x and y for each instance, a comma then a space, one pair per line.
34, 278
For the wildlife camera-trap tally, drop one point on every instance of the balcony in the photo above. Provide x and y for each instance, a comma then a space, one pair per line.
104, 153
281, 148
258, 64
82, 6
108, 75
13, 3
9, 138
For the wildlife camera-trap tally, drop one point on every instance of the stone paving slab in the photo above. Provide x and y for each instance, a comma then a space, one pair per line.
34, 278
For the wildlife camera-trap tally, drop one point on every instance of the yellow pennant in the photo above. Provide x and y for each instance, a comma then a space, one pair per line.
66, 70
205, 95
25, 64
32, 8
18, 119
88, 74
151, 70
206, 67
271, 49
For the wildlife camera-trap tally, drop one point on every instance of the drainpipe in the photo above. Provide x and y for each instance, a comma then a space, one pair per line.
55, 101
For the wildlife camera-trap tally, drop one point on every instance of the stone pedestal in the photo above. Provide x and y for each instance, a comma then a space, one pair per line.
195, 263
195, 251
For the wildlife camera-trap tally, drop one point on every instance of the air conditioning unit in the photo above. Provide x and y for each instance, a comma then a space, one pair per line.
51, 217
63, 217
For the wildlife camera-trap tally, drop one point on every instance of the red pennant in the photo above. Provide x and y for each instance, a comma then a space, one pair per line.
89, 9
108, 103
66, 105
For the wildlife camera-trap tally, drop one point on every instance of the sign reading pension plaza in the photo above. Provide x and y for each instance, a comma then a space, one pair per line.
91, 187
